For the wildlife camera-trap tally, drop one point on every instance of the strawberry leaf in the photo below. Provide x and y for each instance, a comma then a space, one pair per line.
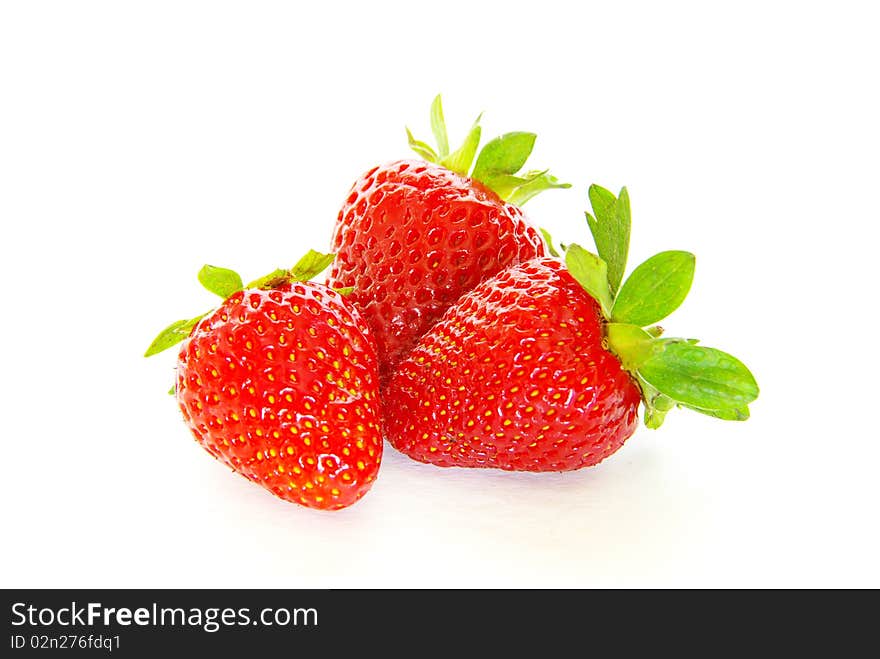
424, 150
632, 345
536, 182
311, 265
438, 127
503, 155
656, 405
548, 239
700, 377
729, 414
654, 289
504, 184
274, 278
220, 281
610, 225
590, 272
460, 160
172, 335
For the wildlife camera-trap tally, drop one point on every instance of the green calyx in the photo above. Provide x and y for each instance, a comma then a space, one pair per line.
671, 372
225, 282
498, 164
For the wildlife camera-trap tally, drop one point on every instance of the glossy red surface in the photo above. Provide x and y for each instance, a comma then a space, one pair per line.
411, 238
281, 385
514, 376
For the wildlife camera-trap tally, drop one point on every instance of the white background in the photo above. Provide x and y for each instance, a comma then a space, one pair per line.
141, 140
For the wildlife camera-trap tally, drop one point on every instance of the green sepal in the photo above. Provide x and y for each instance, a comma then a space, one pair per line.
345, 290
504, 155
438, 127
632, 345
308, 267
655, 289
504, 184
172, 335
220, 281
460, 160
700, 377
590, 272
311, 265
173, 390
548, 240
496, 165
535, 183
729, 414
610, 225
273, 279
421, 148
657, 405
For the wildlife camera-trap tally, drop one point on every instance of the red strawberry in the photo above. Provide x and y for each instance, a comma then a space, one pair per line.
543, 367
280, 384
413, 236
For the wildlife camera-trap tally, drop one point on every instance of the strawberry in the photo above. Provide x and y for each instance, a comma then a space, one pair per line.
280, 384
544, 366
413, 236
